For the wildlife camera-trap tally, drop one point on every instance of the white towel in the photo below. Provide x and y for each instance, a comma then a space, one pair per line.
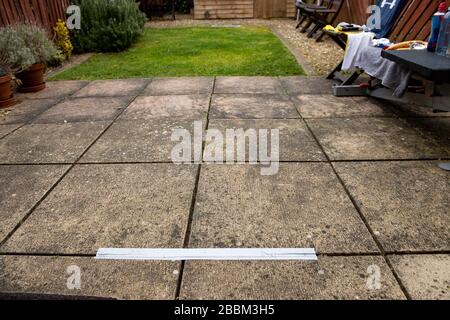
355, 43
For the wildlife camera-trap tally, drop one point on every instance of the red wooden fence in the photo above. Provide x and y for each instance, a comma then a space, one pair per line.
42, 12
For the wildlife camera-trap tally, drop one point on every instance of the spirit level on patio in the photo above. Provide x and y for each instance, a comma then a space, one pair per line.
207, 254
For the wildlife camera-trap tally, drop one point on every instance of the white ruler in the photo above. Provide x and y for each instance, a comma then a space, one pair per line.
207, 254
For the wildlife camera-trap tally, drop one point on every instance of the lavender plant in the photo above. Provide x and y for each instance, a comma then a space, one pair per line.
23, 45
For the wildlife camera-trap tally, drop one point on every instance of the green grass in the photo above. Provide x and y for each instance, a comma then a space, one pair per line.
199, 51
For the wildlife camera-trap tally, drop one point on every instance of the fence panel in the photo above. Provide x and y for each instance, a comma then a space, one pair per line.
42, 12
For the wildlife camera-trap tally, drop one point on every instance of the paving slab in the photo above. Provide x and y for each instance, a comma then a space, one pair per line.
180, 86
21, 188
244, 106
302, 206
55, 89
117, 206
159, 107
329, 278
102, 279
249, 85
138, 141
407, 110
7, 128
84, 110
27, 110
296, 142
424, 276
438, 128
49, 143
374, 138
329, 106
113, 88
307, 85
405, 203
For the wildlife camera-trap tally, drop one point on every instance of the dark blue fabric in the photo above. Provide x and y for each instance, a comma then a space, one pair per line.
390, 10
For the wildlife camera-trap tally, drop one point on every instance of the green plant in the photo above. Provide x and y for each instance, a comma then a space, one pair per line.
23, 45
108, 25
62, 39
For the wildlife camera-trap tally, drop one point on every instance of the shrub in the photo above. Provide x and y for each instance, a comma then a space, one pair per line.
108, 25
62, 39
23, 45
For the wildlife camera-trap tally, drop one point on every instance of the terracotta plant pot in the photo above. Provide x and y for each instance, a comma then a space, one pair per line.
32, 79
6, 93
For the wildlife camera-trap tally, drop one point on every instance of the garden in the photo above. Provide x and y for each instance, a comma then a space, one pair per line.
238, 151
123, 48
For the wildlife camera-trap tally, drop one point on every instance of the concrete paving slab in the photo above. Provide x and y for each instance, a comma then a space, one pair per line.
118, 206
7, 128
102, 279
21, 188
424, 276
113, 88
296, 142
302, 206
252, 107
49, 143
329, 106
329, 278
405, 203
407, 110
374, 138
180, 86
137, 141
159, 107
84, 110
27, 110
55, 89
437, 128
249, 85
307, 85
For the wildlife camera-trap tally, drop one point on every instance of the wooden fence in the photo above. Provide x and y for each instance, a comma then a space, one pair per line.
266, 9
42, 12
414, 22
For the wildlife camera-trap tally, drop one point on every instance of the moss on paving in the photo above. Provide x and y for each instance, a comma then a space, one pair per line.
198, 51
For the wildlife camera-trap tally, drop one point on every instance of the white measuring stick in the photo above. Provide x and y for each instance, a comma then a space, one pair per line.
207, 254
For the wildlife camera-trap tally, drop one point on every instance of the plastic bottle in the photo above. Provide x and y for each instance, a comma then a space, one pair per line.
436, 26
443, 48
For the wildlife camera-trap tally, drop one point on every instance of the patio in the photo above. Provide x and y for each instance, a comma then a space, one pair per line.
86, 165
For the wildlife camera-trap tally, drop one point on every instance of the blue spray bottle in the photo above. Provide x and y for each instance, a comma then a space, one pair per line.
436, 21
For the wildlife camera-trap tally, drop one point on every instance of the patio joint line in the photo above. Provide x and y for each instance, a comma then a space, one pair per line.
71, 166
421, 252
211, 163
358, 209
187, 234
19, 127
43, 254
30, 121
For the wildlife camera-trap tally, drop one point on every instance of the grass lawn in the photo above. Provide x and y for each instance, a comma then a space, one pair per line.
199, 51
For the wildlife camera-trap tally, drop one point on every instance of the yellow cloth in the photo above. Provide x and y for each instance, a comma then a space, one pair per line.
330, 28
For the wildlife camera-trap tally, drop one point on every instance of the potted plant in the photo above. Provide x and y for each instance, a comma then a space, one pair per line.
6, 92
26, 49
